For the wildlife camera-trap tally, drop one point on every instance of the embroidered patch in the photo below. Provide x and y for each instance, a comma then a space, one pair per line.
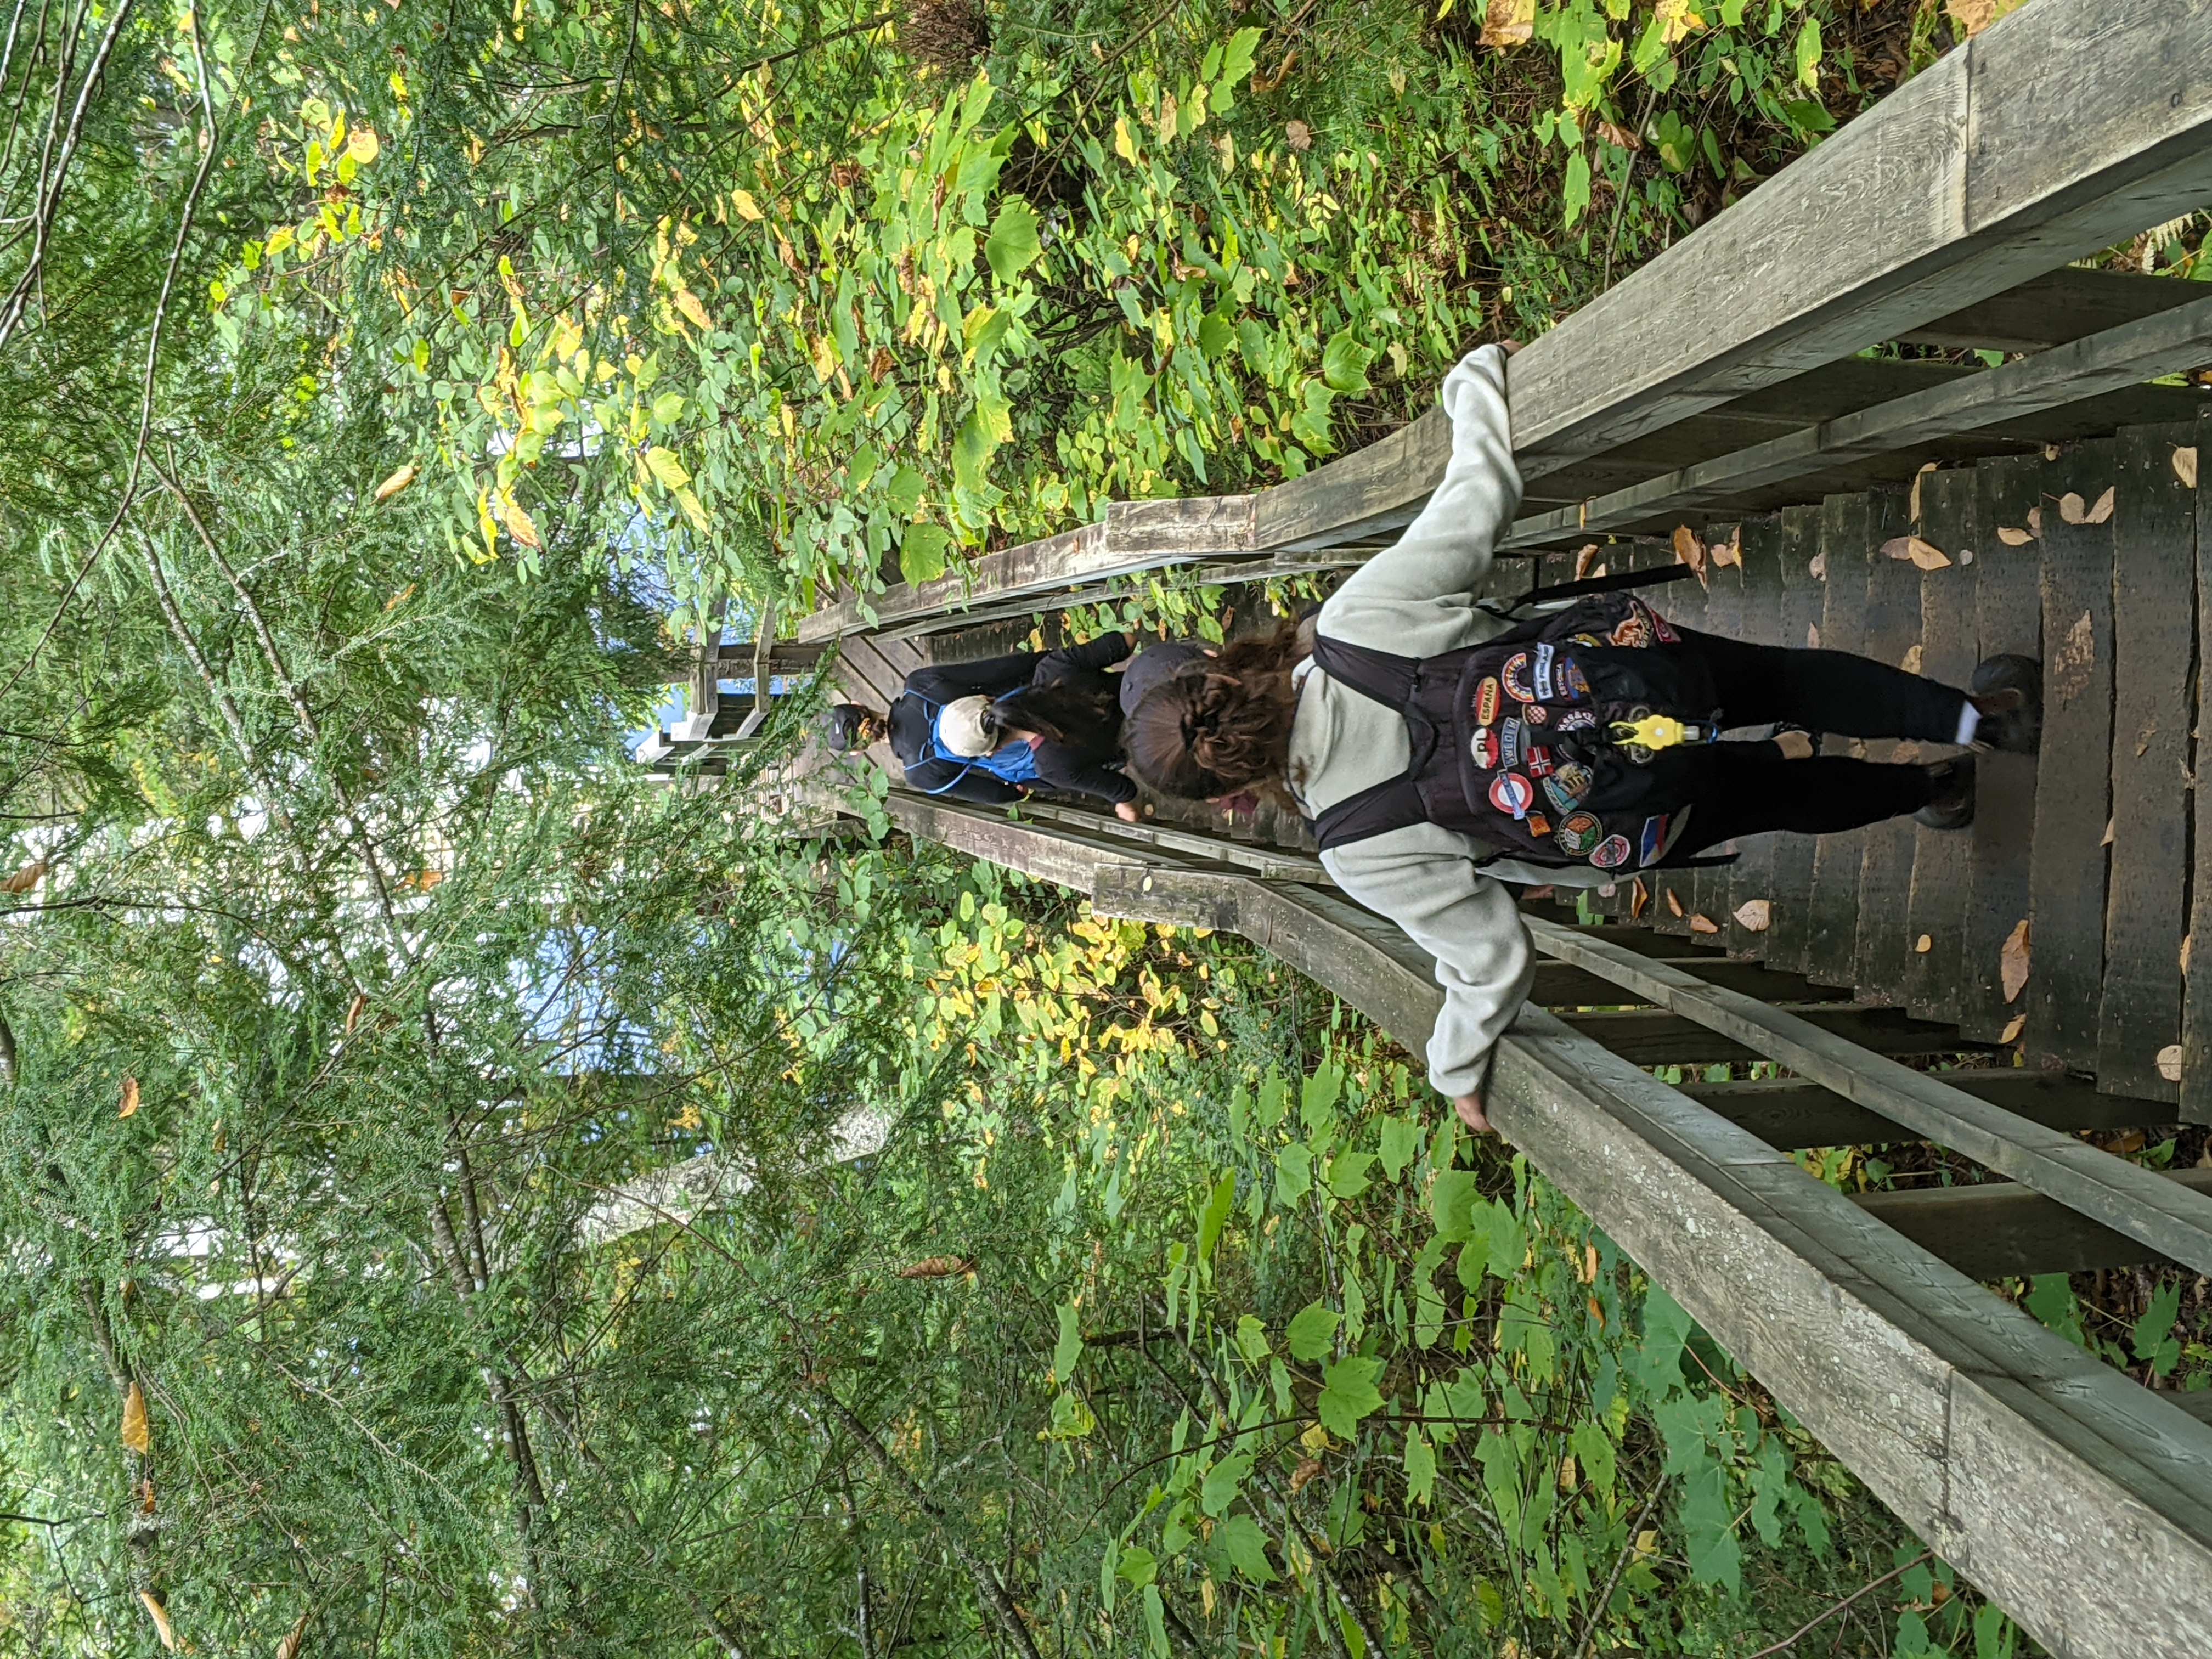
1510, 794
1579, 833
1483, 745
1578, 719
1545, 654
1513, 676
1587, 639
1540, 761
1634, 630
1510, 739
1610, 853
1666, 636
1539, 825
1573, 688
1573, 777
1654, 841
1535, 713
1485, 702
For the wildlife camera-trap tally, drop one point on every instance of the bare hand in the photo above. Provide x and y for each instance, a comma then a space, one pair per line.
1126, 812
1469, 1107
1794, 745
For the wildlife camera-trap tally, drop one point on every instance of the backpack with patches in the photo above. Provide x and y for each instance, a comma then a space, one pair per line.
1513, 740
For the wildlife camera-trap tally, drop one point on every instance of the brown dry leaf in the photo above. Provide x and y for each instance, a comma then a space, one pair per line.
2073, 508
289, 1647
160, 1615
1972, 16
1509, 22
1703, 923
1730, 552
354, 1011
1689, 551
2184, 465
130, 1097
2184, 952
2012, 964
1794, 745
1925, 555
519, 524
2013, 1027
1639, 899
2071, 663
2103, 509
398, 482
1913, 655
1817, 567
137, 1435
1924, 945
1297, 135
1673, 902
2035, 522
940, 1266
1906, 754
1913, 509
1812, 636
2051, 451
2169, 1062
1621, 137
2107, 839
1754, 915
2012, 536
25, 878
1584, 555
1302, 1476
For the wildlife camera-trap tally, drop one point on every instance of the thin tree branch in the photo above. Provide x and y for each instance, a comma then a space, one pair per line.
1790, 1640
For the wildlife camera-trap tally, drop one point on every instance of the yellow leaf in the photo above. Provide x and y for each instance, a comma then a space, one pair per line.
518, 522
1754, 915
2014, 537
741, 200
688, 303
1925, 556
692, 510
1509, 22
664, 465
1315, 1439
400, 598
2169, 1062
160, 1615
130, 1097
137, 1435
1924, 945
2185, 466
1972, 16
1678, 19
2012, 964
398, 482
825, 358
1912, 511
1124, 145
939, 1267
1912, 658
2013, 1029
361, 145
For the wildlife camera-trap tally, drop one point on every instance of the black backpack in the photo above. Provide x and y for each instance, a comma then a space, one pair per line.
1513, 740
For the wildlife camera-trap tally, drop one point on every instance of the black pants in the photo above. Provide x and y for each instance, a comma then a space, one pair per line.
1738, 789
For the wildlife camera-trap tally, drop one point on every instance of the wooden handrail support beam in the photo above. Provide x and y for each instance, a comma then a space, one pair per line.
2120, 357
2080, 1502
2062, 127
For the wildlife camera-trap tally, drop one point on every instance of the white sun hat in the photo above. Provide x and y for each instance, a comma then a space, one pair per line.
960, 727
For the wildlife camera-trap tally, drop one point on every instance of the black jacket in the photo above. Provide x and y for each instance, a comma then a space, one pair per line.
1057, 768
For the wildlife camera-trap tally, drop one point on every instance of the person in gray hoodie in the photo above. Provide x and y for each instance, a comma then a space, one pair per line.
1264, 715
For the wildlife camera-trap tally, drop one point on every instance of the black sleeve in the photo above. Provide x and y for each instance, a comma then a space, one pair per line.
1094, 655
970, 783
1063, 770
988, 677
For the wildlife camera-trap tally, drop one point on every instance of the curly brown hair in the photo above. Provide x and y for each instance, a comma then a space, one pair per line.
1222, 724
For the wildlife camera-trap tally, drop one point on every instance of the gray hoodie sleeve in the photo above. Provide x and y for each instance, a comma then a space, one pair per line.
1417, 599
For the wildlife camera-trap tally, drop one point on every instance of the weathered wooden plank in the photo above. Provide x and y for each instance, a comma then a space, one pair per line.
1559, 986
1791, 860
2120, 1194
2002, 1230
1752, 876
2061, 305
1376, 489
1831, 949
2153, 640
1979, 173
2196, 994
1791, 1113
2073, 801
866, 677
2007, 618
1653, 1037
1942, 860
2175, 341
1892, 629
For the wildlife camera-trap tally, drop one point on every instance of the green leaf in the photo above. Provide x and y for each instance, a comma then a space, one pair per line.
1575, 194
1071, 1417
1593, 1446
1451, 1204
1401, 1142
1219, 1204
2051, 1298
1349, 1394
1344, 362
1317, 1098
1808, 54
668, 408
2153, 1344
1675, 141
905, 491
1275, 1100
862, 467
1223, 1482
1293, 1173
921, 552
1236, 62
1251, 1339
1311, 1330
664, 465
1106, 1574
1137, 1566
1709, 1539
1216, 335
1068, 1353
1246, 1545
1013, 243
1156, 1622
1421, 1466
1347, 1174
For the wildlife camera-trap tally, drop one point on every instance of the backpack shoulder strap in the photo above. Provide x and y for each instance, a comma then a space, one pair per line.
1390, 804
1385, 678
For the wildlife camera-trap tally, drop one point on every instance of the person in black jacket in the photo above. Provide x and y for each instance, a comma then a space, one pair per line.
912, 718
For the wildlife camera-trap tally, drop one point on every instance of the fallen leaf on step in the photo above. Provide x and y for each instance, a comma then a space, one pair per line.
1754, 915
2073, 508
1912, 658
1925, 555
1818, 568
2035, 522
2012, 964
1908, 752
1924, 945
2051, 451
1704, 925
1914, 510
2013, 1029
1583, 557
1689, 551
2107, 840
2169, 1062
2103, 509
1639, 899
2070, 665
2184, 952
2012, 536
1673, 902
2184, 465
1812, 636
1730, 552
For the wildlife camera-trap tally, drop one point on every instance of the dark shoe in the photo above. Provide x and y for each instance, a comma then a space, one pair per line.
2006, 692
1950, 795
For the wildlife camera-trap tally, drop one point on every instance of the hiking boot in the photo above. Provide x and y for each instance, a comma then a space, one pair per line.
2006, 692
1950, 795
